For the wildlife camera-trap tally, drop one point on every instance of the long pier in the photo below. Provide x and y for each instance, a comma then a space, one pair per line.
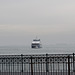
40, 64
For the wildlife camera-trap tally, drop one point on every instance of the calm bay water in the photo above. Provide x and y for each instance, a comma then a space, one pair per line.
50, 49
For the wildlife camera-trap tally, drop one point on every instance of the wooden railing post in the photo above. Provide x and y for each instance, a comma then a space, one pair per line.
47, 66
68, 65
31, 66
73, 64
22, 61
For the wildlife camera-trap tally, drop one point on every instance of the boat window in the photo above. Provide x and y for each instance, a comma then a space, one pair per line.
36, 40
35, 44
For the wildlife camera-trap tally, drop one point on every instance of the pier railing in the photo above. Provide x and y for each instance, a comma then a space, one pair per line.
43, 64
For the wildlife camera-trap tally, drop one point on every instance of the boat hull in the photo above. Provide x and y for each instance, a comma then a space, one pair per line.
36, 46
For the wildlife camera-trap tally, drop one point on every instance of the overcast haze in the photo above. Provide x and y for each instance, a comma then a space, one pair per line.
53, 21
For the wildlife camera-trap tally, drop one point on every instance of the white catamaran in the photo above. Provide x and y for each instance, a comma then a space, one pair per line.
36, 43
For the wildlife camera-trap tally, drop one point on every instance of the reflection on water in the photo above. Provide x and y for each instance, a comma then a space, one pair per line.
50, 49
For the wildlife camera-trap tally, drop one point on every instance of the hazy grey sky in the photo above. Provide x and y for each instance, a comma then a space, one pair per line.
51, 20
